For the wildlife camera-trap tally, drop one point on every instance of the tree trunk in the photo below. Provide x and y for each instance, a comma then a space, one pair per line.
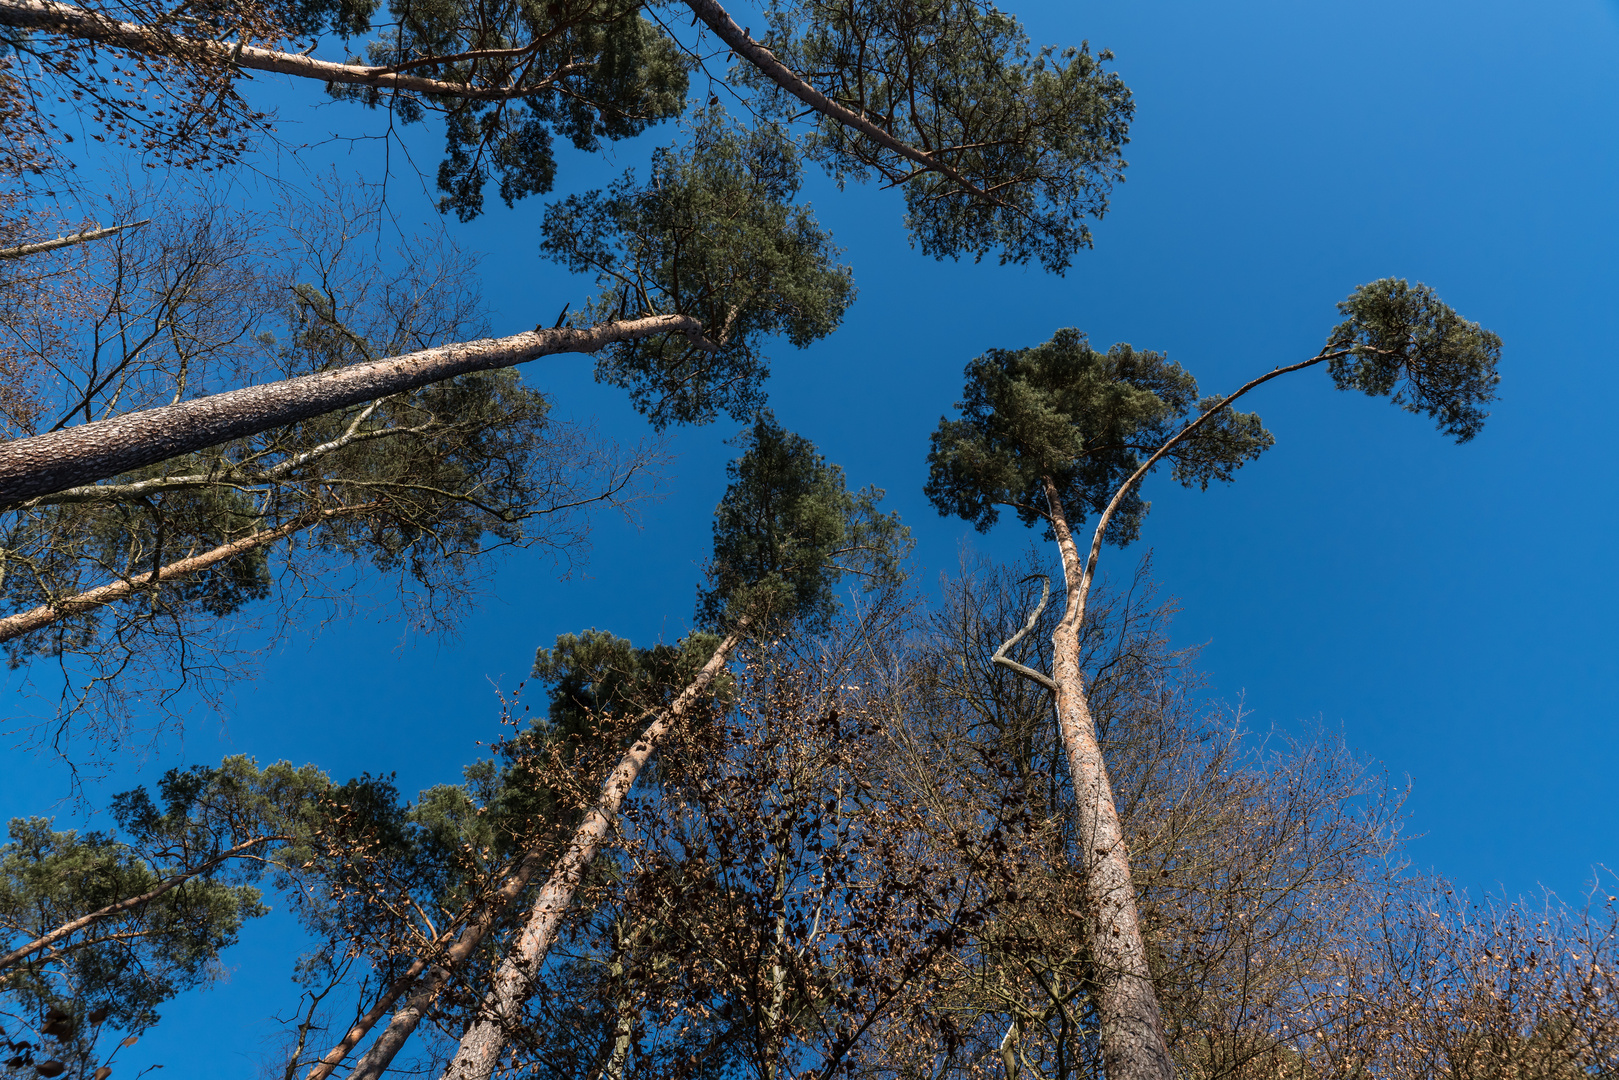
42, 464
1132, 1037
381, 1054
485, 1041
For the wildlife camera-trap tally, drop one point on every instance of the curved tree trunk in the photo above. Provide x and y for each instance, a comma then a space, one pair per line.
42, 464
484, 1042
1134, 1046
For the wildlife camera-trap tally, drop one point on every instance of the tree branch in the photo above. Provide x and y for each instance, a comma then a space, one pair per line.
17, 955
1180, 437
25, 622
20, 251
1002, 659
718, 20
77, 22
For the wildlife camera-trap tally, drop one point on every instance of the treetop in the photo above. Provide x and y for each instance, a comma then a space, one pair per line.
788, 528
714, 234
1081, 420
1402, 342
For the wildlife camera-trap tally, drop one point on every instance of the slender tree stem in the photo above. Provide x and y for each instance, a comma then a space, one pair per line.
20, 251
17, 955
481, 1047
26, 622
1180, 437
717, 19
57, 18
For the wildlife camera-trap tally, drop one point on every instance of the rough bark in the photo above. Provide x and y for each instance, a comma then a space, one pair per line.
43, 464
1134, 1046
357, 1031
26, 622
484, 1042
76, 22
381, 1054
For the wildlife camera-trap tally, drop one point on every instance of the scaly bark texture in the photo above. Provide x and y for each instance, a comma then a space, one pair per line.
484, 1042
1134, 1046
47, 463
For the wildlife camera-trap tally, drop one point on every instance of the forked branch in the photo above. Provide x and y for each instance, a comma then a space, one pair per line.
1005, 661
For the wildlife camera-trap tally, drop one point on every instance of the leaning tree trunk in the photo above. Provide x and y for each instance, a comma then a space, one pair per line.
56, 460
544, 918
1134, 1046
484, 1042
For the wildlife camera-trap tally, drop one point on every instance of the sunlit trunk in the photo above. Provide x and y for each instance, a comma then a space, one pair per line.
1132, 1035
481, 1047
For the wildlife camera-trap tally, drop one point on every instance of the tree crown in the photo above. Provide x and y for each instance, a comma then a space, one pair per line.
1402, 342
713, 234
1082, 420
788, 528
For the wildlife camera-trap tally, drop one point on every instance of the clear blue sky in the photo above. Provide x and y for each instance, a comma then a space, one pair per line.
1450, 609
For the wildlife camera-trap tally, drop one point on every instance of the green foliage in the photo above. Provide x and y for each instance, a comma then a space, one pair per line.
1082, 420
53, 552
130, 967
1406, 344
116, 970
586, 70
1042, 132
788, 528
714, 235
596, 676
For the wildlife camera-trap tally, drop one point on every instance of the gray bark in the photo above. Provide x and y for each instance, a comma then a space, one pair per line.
42, 464
1134, 1046
484, 1042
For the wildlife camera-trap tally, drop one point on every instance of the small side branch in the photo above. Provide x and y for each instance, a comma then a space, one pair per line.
1005, 661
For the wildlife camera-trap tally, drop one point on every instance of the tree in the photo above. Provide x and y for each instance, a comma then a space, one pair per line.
1056, 125
103, 929
1060, 429
996, 148
787, 529
136, 587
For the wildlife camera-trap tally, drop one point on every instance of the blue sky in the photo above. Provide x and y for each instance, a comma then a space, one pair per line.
1449, 609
